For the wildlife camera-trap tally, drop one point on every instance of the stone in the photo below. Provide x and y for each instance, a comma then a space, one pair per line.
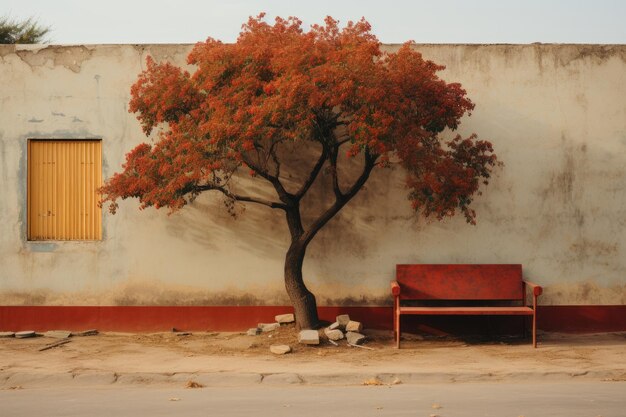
354, 326
7, 334
90, 332
309, 337
255, 331
280, 349
58, 334
25, 334
268, 327
354, 338
333, 334
343, 320
285, 318
334, 326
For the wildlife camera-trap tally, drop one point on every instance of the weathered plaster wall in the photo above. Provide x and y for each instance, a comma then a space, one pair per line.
555, 113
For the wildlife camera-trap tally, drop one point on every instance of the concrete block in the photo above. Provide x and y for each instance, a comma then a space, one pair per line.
28, 380
7, 334
309, 337
268, 327
354, 338
285, 318
335, 334
58, 334
90, 332
255, 331
334, 326
354, 326
280, 349
228, 379
343, 320
95, 378
282, 379
143, 378
25, 334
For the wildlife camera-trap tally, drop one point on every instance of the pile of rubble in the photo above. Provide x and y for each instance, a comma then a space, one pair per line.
342, 328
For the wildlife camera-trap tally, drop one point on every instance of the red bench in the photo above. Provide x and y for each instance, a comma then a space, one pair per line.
480, 286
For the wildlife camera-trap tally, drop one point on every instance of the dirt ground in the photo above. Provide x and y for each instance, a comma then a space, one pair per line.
237, 352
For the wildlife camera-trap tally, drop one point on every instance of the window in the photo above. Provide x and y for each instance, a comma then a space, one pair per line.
63, 178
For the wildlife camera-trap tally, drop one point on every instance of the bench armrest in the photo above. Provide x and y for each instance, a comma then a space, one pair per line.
395, 288
537, 290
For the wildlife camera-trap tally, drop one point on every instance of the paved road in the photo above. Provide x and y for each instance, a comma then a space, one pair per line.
567, 399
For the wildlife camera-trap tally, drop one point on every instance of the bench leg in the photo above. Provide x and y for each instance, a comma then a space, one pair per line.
535, 321
535, 329
396, 321
397, 332
396, 329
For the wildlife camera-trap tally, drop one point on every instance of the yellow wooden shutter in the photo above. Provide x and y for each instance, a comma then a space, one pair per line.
63, 178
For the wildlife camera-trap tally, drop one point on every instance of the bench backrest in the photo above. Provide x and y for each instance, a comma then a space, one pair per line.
460, 282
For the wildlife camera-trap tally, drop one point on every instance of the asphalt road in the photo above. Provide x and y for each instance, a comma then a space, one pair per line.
568, 399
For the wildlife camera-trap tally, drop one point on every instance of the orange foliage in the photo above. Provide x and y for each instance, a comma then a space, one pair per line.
279, 83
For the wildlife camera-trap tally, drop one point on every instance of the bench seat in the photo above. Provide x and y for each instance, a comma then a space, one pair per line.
468, 311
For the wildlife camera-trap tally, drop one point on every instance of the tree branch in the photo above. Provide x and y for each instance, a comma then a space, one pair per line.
313, 174
272, 154
238, 197
284, 196
334, 174
370, 163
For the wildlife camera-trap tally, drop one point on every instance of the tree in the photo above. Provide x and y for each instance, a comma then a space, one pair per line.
27, 31
278, 92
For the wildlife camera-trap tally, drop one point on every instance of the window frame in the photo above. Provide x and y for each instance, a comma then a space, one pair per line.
84, 233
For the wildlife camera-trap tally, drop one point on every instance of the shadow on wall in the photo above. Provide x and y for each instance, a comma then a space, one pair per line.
206, 222
558, 219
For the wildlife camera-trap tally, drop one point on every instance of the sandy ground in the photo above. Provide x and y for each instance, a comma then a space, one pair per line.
597, 355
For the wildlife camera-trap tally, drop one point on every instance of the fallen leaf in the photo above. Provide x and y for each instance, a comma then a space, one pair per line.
174, 399
372, 381
193, 384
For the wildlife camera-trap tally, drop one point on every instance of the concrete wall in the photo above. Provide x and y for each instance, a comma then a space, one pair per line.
556, 115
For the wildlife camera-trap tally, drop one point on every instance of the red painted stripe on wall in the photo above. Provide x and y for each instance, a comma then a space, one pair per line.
583, 319
164, 318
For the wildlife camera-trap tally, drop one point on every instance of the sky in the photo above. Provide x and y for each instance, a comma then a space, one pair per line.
443, 21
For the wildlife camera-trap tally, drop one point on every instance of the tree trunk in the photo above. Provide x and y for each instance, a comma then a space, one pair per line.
303, 300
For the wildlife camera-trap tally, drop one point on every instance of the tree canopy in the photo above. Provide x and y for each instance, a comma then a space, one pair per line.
26, 31
279, 85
